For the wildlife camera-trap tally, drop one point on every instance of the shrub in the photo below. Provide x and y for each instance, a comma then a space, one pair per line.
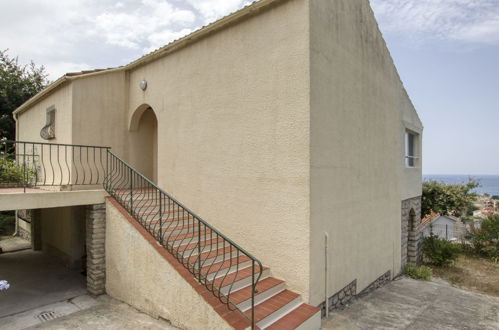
418, 273
12, 174
7, 223
485, 240
438, 251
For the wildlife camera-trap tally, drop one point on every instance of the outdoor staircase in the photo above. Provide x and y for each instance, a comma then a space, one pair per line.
233, 275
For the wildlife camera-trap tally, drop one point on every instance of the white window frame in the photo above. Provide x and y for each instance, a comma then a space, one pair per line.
411, 160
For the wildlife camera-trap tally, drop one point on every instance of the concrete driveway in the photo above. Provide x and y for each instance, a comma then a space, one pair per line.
418, 305
36, 279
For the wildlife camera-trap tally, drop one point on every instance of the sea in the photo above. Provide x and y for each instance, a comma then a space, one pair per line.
489, 184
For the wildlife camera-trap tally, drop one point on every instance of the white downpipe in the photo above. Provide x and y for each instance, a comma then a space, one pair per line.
326, 272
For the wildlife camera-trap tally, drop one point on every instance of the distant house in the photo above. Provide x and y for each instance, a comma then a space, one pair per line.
485, 212
443, 226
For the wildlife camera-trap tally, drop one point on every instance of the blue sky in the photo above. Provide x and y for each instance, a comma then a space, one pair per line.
446, 51
447, 54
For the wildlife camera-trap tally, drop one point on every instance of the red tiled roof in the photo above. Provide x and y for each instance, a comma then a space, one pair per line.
429, 218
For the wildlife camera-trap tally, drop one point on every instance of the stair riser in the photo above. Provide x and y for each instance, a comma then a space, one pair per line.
312, 323
245, 305
243, 283
262, 324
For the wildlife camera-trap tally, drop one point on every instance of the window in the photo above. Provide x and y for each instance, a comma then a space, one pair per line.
411, 142
48, 131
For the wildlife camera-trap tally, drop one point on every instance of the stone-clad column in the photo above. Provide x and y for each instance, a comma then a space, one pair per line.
411, 232
96, 257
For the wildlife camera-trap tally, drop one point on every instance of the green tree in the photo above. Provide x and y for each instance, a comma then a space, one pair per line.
485, 240
449, 199
18, 83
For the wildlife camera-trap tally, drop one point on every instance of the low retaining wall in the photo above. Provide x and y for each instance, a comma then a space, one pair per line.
138, 273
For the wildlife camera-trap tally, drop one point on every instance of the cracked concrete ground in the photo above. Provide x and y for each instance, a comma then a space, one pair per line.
84, 313
415, 305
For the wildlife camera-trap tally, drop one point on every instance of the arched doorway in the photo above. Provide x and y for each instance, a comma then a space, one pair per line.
143, 152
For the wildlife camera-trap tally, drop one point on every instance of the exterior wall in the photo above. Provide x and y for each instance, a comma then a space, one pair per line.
99, 111
138, 275
30, 122
411, 179
357, 146
63, 234
23, 229
233, 133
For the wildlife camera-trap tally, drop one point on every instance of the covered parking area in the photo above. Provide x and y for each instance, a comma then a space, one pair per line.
65, 254
36, 279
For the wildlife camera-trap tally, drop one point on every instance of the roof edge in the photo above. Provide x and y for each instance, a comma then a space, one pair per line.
56, 84
204, 31
185, 41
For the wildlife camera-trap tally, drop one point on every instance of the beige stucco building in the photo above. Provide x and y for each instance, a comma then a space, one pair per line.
281, 124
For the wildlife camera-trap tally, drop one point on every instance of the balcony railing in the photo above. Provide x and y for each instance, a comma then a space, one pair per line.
38, 164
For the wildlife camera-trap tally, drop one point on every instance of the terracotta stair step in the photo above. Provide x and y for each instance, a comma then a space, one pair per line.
245, 293
296, 318
234, 277
212, 254
204, 244
165, 219
181, 237
224, 265
266, 309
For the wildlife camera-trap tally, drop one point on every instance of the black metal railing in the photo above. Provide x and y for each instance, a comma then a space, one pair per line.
214, 260
38, 164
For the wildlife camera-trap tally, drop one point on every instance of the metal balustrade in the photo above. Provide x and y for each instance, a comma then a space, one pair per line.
214, 260
37, 164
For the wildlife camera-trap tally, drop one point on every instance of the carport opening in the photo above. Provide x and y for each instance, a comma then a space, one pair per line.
46, 262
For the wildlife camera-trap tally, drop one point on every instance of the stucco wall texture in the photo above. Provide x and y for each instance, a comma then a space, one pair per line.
31, 122
357, 149
63, 234
275, 128
233, 133
139, 276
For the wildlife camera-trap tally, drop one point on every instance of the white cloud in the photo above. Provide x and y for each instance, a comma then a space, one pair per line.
470, 21
58, 69
131, 28
159, 39
211, 10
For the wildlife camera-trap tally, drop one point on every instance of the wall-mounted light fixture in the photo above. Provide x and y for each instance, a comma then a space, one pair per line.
143, 85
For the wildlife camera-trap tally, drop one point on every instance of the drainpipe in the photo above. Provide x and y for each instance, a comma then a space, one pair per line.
326, 272
16, 137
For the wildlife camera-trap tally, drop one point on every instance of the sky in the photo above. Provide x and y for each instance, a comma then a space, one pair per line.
446, 52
